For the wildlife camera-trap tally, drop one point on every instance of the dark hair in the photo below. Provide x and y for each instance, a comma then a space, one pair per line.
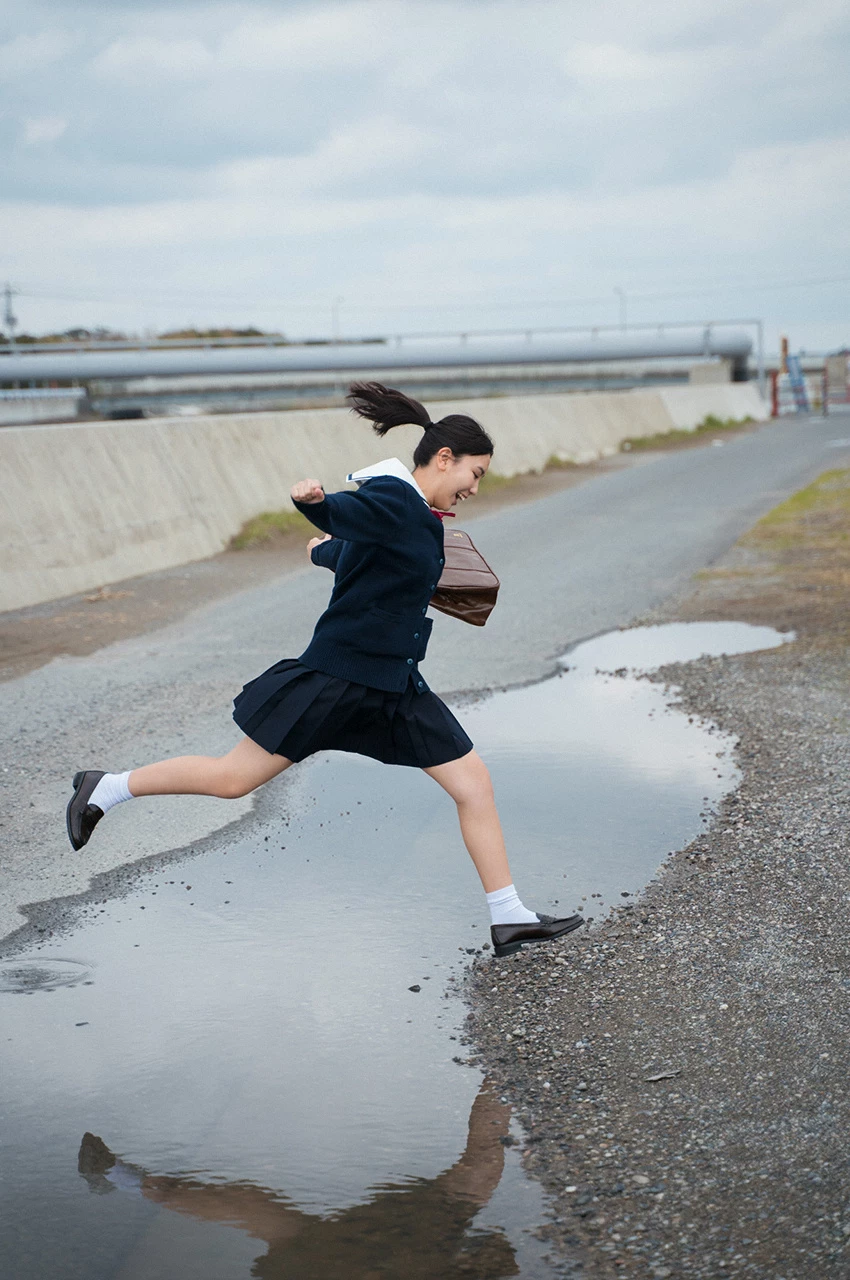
387, 408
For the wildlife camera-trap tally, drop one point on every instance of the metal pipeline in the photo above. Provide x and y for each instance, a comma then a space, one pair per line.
360, 358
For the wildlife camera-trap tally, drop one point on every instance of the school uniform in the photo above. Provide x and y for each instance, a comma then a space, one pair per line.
357, 686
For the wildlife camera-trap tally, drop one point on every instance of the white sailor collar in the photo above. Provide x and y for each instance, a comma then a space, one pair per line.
389, 467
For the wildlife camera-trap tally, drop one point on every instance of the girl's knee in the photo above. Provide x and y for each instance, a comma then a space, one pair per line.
478, 785
246, 768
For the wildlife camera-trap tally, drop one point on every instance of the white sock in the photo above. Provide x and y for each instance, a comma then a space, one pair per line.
111, 790
506, 908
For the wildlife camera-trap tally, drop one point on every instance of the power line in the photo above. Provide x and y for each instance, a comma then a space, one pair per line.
182, 300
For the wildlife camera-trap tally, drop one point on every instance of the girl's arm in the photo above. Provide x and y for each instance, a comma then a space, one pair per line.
325, 551
374, 513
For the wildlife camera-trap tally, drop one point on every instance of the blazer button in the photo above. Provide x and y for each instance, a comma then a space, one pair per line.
442, 562
433, 586
420, 685
416, 635
410, 662
425, 610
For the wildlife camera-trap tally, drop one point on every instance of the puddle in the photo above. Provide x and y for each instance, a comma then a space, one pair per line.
647, 648
241, 1030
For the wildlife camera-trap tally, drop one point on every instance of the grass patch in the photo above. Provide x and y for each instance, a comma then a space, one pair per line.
792, 569
269, 526
828, 496
816, 517
710, 425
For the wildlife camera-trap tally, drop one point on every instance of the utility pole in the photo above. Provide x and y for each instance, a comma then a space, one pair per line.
10, 320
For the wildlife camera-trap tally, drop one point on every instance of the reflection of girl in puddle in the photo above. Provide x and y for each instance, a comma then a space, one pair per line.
357, 686
420, 1228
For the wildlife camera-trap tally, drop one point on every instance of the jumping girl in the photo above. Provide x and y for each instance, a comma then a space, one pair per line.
357, 686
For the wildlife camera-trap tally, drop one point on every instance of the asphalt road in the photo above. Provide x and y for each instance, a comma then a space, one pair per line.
584, 560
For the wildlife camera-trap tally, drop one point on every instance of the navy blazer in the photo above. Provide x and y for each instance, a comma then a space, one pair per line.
387, 555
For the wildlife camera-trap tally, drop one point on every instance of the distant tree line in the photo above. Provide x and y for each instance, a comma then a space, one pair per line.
102, 334
221, 333
114, 335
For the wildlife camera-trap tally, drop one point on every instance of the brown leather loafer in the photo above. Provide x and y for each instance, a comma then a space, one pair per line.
81, 818
508, 938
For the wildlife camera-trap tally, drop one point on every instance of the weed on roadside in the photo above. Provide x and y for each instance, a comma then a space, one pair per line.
710, 425
269, 526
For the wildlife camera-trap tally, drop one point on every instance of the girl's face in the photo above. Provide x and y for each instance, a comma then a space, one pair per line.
451, 480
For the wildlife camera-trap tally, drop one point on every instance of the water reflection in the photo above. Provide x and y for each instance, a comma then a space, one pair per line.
417, 1228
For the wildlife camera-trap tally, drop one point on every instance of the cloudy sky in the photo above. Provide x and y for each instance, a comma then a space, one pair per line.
426, 164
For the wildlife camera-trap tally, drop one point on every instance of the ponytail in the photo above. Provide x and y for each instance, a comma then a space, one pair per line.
386, 408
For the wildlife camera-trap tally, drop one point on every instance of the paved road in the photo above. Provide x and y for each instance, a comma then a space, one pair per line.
578, 562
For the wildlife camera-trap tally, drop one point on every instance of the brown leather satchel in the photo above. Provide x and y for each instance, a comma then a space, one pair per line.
468, 586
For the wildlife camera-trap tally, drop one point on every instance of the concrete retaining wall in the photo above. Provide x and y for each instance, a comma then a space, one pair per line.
91, 503
691, 405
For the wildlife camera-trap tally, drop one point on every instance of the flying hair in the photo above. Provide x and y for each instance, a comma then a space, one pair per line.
385, 408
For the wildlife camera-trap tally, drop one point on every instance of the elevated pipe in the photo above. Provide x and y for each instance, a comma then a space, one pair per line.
359, 358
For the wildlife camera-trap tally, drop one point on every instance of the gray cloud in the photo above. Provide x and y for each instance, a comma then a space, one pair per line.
384, 150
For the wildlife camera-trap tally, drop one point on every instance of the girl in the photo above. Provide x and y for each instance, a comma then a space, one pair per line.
357, 686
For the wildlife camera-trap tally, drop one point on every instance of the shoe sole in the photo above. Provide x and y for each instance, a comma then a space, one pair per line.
508, 948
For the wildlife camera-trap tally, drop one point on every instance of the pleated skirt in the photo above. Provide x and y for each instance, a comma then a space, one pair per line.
293, 711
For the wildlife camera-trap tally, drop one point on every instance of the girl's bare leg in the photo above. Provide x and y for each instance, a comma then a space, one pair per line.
242, 770
468, 783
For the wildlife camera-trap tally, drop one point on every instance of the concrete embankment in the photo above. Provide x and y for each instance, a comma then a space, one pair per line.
85, 504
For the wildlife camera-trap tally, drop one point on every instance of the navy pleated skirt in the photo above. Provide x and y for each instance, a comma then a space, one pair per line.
293, 711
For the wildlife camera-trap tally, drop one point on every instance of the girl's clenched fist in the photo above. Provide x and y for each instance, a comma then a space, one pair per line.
307, 491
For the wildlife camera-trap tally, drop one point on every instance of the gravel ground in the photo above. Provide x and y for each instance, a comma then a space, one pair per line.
681, 1069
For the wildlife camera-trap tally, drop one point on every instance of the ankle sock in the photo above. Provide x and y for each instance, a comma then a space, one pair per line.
506, 908
111, 790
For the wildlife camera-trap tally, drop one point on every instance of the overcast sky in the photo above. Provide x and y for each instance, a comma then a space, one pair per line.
434, 164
